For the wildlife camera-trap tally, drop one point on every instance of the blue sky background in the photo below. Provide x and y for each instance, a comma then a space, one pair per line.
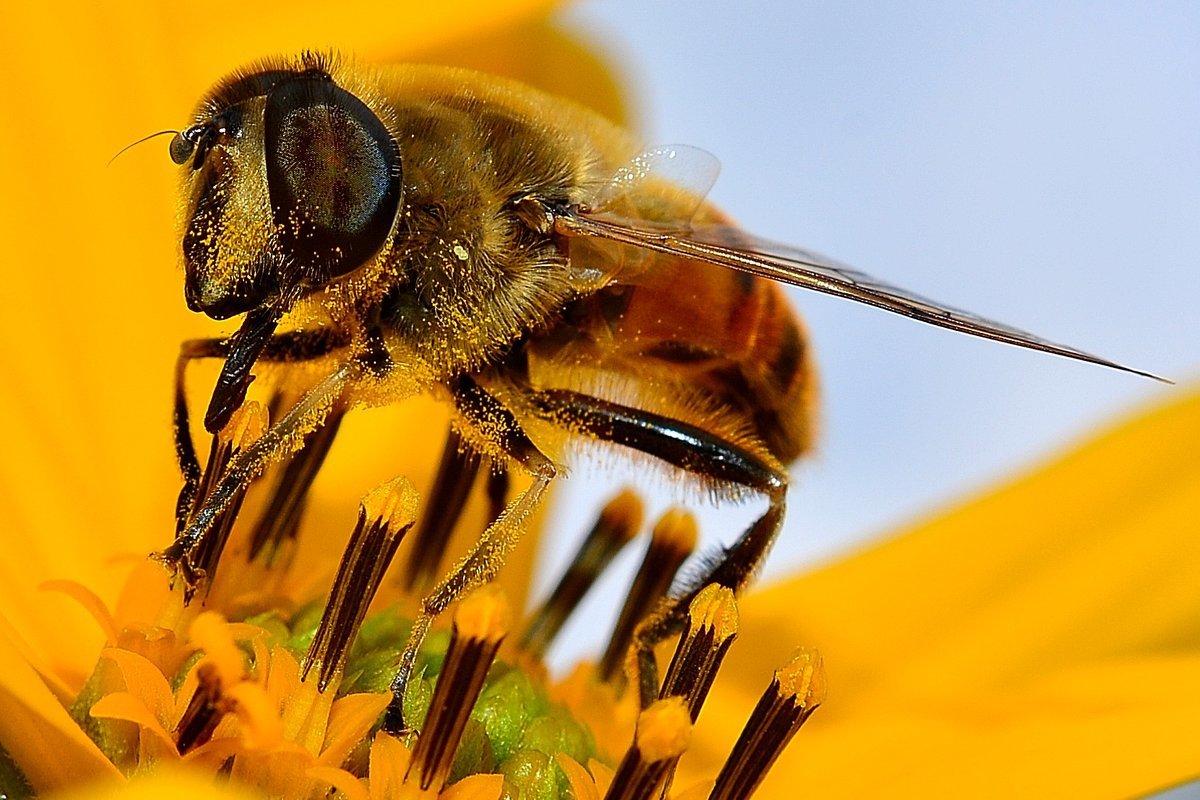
1038, 163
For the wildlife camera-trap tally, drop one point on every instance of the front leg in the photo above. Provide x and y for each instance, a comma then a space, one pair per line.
283, 348
284, 436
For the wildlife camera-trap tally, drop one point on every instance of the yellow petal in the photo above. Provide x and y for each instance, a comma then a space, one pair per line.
90, 602
39, 735
475, 787
974, 644
45, 669
144, 681
1113, 731
172, 782
388, 763
583, 785
350, 719
603, 775
1087, 557
132, 708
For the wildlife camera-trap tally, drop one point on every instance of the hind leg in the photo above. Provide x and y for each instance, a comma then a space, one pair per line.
700, 452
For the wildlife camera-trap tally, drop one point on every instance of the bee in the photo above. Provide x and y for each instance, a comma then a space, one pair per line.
423, 229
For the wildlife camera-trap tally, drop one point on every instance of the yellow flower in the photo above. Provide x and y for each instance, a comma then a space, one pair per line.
1037, 642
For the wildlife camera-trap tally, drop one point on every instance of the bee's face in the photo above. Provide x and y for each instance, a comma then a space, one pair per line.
291, 181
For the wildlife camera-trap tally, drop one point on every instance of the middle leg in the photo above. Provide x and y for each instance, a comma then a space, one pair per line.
488, 418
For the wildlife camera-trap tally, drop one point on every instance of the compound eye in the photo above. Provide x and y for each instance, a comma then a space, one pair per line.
333, 172
182, 145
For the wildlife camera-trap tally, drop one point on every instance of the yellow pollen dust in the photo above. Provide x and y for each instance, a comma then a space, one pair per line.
803, 677
715, 607
664, 730
246, 426
393, 503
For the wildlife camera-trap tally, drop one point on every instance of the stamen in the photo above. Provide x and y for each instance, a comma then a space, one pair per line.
456, 474
673, 541
616, 525
280, 520
712, 627
663, 733
384, 516
204, 711
245, 427
481, 622
797, 690
221, 668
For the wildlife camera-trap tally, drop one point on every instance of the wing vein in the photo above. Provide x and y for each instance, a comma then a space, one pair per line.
711, 244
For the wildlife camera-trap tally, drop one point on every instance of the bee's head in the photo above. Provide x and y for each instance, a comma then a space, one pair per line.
290, 182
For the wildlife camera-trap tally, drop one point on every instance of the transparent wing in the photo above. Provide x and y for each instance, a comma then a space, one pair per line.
676, 175
729, 247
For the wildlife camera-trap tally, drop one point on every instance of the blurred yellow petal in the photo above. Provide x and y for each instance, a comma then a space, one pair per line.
1117, 730
261, 725
1061, 603
90, 602
163, 783
211, 633
39, 735
1087, 557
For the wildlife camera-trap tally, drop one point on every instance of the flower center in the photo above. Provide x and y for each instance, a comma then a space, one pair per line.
221, 668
